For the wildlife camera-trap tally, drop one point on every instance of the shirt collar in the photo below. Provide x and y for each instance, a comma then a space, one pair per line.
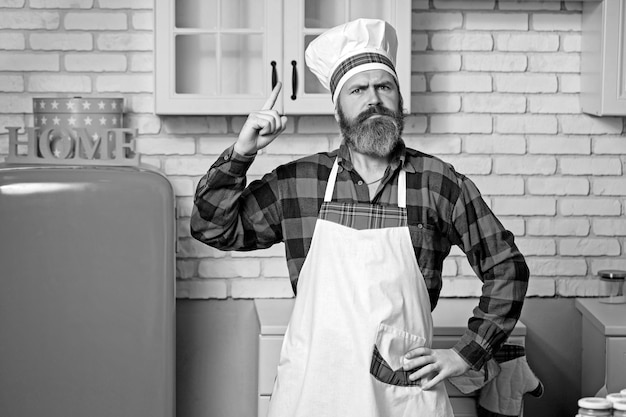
399, 158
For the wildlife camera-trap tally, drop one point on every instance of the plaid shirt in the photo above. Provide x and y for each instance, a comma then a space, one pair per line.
444, 208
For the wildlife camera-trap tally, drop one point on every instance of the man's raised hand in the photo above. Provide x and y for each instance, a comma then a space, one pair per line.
261, 127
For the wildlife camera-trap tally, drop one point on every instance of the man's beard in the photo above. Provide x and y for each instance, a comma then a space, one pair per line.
377, 136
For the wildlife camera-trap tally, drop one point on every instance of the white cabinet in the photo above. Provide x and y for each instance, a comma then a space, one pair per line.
449, 319
223, 56
603, 66
604, 346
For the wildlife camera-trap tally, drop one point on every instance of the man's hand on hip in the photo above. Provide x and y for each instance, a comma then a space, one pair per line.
434, 365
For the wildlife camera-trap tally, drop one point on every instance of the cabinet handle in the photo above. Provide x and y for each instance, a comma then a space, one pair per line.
294, 80
274, 74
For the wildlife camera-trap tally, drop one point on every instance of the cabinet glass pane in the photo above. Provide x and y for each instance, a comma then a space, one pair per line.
242, 64
243, 14
196, 64
324, 13
621, 65
368, 9
311, 83
196, 13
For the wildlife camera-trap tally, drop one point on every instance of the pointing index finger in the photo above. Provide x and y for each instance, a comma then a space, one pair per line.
269, 104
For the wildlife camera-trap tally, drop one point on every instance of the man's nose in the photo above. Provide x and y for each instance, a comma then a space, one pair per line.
373, 97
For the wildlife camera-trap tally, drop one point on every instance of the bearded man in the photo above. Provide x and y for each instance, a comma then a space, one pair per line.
366, 229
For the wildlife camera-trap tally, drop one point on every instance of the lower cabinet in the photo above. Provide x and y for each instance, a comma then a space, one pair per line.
450, 321
604, 347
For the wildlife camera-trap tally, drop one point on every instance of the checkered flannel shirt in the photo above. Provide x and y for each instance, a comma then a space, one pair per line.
444, 208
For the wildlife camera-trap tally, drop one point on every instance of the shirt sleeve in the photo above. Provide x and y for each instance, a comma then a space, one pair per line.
228, 215
495, 259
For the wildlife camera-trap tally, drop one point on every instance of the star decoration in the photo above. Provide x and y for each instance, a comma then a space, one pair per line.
101, 105
42, 104
56, 120
114, 121
113, 105
57, 153
55, 104
95, 136
103, 121
88, 121
44, 120
86, 105
70, 105
72, 121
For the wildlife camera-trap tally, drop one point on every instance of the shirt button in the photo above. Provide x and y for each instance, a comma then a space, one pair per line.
420, 226
226, 157
360, 182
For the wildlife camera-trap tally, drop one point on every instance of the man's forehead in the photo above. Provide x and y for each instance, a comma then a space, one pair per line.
371, 76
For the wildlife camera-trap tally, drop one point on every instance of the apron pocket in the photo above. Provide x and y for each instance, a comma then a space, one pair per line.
389, 350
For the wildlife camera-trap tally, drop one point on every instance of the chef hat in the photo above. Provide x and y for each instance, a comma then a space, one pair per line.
345, 50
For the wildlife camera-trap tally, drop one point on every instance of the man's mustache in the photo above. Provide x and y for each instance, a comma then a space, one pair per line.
380, 110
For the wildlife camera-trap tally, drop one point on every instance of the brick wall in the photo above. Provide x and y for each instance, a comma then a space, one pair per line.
495, 92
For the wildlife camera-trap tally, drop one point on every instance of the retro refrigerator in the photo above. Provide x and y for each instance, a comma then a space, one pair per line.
87, 276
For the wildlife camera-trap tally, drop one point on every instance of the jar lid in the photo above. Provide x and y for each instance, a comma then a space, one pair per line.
619, 405
616, 396
595, 403
612, 274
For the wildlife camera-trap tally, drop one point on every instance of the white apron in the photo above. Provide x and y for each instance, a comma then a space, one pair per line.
362, 304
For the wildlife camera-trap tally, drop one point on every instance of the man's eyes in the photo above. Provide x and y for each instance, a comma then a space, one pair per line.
358, 90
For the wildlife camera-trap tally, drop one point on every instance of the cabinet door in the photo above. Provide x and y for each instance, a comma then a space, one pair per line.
603, 66
615, 363
306, 19
215, 56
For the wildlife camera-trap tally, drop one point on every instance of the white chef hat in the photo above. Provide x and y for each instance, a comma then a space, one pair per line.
345, 50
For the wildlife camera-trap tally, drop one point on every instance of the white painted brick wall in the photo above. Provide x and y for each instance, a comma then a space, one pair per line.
462, 41
526, 42
494, 103
26, 62
526, 83
495, 144
495, 62
558, 227
528, 165
558, 186
10, 19
561, 144
11, 83
495, 93
529, 206
61, 4
609, 227
96, 21
95, 62
62, 41
496, 21
436, 62
59, 83
461, 123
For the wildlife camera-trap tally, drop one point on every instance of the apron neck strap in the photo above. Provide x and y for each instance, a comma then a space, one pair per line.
332, 179
402, 188
330, 187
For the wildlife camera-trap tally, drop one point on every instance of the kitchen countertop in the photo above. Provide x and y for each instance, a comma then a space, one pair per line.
449, 318
610, 319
